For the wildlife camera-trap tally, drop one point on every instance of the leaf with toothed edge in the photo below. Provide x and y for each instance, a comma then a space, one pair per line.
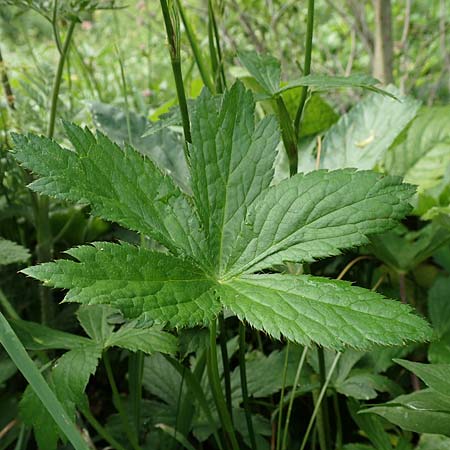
234, 225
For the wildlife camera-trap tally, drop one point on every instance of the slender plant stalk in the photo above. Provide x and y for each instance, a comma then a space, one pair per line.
216, 38
23, 362
6, 304
174, 51
243, 373
125, 94
172, 432
324, 404
193, 385
198, 56
102, 432
118, 403
306, 65
288, 135
135, 372
44, 247
214, 379
337, 412
319, 401
301, 363
225, 363
281, 403
212, 50
6, 84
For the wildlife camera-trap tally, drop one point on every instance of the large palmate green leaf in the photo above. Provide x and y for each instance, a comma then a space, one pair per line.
424, 154
116, 182
234, 224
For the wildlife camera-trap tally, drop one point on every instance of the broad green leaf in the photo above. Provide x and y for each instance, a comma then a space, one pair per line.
361, 137
11, 253
146, 339
422, 411
68, 380
164, 146
328, 312
264, 68
317, 215
363, 385
434, 376
423, 156
439, 350
116, 183
134, 280
439, 306
231, 164
35, 336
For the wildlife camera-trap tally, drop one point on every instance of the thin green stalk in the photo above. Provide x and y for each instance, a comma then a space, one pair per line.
288, 135
243, 373
337, 412
292, 397
22, 439
23, 362
172, 432
198, 56
215, 32
306, 65
135, 372
125, 95
118, 403
102, 432
212, 51
58, 77
9, 309
173, 39
225, 363
281, 403
324, 405
216, 388
193, 385
319, 401
44, 247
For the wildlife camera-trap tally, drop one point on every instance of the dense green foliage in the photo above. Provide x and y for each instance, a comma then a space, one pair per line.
174, 278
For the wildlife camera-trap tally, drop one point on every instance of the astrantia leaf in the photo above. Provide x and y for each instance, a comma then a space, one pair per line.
11, 253
231, 164
235, 224
328, 312
317, 215
134, 280
120, 184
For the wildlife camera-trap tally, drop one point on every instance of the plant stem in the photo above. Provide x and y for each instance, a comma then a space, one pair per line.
288, 135
281, 403
225, 363
174, 51
24, 363
291, 400
324, 405
125, 95
306, 65
214, 379
242, 370
118, 403
195, 49
102, 432
337, 412
135, 371
44, 246
9, 309
222, 82
319, 401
